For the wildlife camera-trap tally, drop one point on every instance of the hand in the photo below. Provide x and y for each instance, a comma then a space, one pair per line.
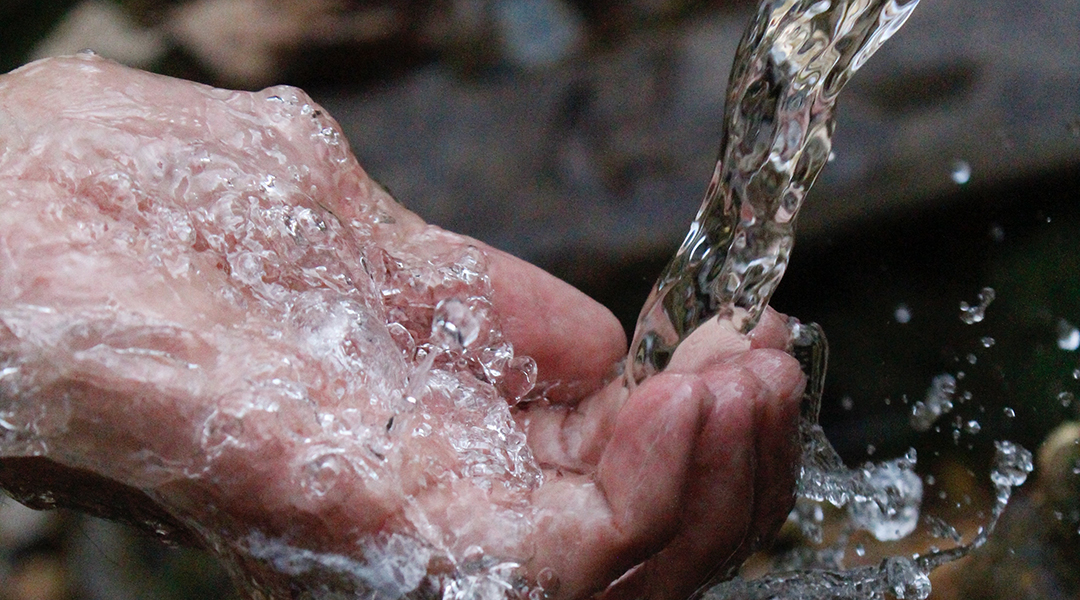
213, 322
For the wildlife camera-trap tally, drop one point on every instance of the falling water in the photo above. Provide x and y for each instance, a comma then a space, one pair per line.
791, 64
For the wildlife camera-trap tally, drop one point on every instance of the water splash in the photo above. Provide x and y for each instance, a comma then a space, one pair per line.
972, 314
939, 401
792, 62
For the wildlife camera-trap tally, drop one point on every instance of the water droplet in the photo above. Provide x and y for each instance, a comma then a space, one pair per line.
1066, 399
454, 326
997, 233
1068, 336
1076, 373
972, 359
938, 402
860, 550
1012, 463
972, 427
906, 580
960, 172
987, 342
847, 403
902, 314
870, 449
889, 509
548, 581
975, 314
1009, 412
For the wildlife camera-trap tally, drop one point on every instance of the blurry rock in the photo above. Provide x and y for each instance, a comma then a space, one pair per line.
248, 43
108, 30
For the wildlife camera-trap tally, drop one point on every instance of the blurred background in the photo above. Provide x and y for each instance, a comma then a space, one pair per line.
580, 134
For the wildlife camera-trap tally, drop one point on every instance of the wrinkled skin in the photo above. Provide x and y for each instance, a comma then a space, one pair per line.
179, 331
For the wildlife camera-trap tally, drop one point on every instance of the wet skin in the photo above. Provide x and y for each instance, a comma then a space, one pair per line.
123, 306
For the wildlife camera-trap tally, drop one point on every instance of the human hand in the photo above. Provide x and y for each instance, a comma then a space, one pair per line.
207, 306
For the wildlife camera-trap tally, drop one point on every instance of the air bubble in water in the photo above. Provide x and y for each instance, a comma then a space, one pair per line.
1068, 336
975, 314
1009, 412
960, 172
1066, 399
454, 326
987, 342
972, 427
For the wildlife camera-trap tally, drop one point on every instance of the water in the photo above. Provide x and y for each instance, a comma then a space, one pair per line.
793, 60
790, 66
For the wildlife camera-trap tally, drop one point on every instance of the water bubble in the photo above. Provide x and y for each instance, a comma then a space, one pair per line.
938, 402
997, 233
960, 172
847, 403
972, 359
870, 449
891, 510
942, 530
548, 581
902, 314
1068, 336
1012, 463
987, 342
972, 427
860, 550
975, 314
1076, 373
1009, 412
905, 579
454, 326
1066, 399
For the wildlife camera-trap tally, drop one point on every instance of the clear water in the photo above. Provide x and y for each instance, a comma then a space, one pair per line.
793, 60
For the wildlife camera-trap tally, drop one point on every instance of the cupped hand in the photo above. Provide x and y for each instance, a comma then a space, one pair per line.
212, 315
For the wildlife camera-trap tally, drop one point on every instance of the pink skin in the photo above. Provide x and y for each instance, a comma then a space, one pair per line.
144, 336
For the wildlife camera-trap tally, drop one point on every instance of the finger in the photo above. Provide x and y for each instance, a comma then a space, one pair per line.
771, 331
575, 341
740, 480
592, 529
573, 438
717, 339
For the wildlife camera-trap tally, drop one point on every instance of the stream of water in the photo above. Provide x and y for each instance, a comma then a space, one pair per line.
790, 67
